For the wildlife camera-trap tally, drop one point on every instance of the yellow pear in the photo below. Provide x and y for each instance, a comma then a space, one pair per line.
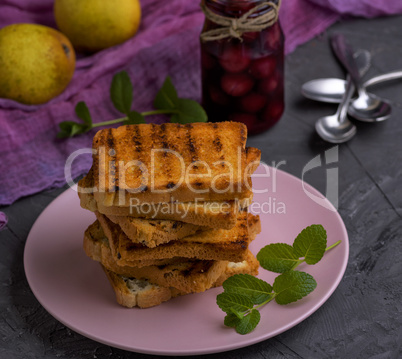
36, 63
93, 25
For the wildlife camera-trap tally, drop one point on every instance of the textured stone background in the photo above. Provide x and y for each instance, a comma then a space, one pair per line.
363, 318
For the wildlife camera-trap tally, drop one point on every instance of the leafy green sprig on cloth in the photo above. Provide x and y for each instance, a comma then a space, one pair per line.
244, 294
167, 102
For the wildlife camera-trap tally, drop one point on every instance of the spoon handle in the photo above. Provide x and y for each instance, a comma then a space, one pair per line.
342, 110
344, 52
385, 77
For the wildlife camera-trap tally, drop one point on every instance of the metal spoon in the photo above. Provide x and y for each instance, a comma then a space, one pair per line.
367, 107
331, 90
337, 128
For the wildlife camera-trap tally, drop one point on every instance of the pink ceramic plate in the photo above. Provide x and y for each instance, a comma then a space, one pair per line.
74, 289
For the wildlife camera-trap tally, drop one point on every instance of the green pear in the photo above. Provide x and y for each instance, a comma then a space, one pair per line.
93, 25
36, 63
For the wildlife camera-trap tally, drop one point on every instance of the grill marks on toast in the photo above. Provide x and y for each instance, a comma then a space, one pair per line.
161, 141
167, 168
218, 143
193, 157
170, 142
192, 148
138, 153
212, 143
113, 169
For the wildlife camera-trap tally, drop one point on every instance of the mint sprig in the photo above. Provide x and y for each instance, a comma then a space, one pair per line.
244, 294
309, 246
167, 102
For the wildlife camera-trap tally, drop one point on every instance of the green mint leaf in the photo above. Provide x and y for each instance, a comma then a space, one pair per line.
166, 98
134, 118
66, 125
277, 257
121, 92
230, 301
248, 323
257, 290
82, 111
311, 243
77, 129
65, 129
188, 111
231, 320
71, 128
292, 286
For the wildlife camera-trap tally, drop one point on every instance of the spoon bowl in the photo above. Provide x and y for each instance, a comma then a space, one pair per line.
330, 129
337, 128
328, 90
369, 108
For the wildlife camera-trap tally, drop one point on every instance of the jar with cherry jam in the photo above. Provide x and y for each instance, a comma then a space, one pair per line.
242, 63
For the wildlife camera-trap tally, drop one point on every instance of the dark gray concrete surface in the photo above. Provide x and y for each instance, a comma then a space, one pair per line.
362, 319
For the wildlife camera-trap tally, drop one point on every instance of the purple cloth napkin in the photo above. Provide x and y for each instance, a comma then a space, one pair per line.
3, 220
32, 159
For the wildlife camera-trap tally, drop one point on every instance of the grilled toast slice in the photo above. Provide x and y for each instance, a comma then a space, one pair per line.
93, 249
216, 244
206, 214
171, 162
132, 292
253, 158
186, 275
153, 232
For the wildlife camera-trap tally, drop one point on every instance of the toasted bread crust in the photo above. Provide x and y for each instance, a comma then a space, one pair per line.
218, 244
126, 156
205, 214
199, 213
187, 275
253, 158
152, 233
126, 144
155, 295
249, 266
150, 296
104, 250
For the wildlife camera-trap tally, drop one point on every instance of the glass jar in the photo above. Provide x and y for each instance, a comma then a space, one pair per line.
242, 76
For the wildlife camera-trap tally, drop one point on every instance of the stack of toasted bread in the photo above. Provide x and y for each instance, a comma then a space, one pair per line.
171, 205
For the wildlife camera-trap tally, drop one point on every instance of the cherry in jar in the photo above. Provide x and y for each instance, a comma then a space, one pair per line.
242, 65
